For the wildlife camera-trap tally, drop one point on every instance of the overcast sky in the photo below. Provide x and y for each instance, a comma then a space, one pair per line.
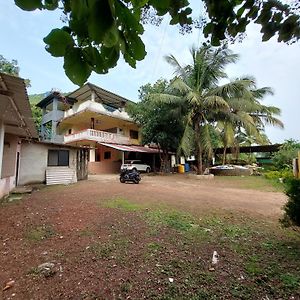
272, 64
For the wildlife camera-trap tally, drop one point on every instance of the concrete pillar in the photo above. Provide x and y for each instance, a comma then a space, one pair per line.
53, 130
2, 131
92, 155
123, 157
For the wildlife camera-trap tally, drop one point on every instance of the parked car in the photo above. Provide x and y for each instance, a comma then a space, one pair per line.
136, 165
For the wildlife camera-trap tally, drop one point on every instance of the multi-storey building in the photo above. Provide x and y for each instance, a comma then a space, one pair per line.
94, 118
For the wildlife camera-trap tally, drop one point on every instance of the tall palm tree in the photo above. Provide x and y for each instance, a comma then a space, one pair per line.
196, 86
247, 116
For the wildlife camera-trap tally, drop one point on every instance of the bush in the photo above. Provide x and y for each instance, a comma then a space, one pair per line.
285, 174
284, 157
292, 207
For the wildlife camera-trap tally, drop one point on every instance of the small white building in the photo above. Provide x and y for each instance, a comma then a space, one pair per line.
51, 163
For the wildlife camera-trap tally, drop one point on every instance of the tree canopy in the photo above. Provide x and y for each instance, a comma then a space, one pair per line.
209, 108
161, 123
96, 32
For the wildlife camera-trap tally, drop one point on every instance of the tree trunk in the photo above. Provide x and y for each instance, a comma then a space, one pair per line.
224, 155
198, 149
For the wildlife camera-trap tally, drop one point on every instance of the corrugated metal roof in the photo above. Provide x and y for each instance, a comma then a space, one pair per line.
131, 148
101, 95
21, 122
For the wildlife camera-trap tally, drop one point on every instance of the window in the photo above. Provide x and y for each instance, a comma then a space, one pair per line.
107, 155
134, 134
58, 158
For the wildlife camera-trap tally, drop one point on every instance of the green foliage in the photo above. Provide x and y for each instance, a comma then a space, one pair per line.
161, 123
229, 19
37, 115
284, 157
214, 112
292, 207
36, 98
285, 174
11, 68
98, 31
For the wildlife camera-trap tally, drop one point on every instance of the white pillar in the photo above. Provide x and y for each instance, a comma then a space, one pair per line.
2, 131
92, 155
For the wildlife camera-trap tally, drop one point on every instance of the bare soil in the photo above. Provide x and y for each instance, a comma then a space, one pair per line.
102, 252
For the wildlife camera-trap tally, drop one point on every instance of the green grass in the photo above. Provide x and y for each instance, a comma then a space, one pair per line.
259, 183
172, 219
180, 246
39, 233
122, 204
101, 250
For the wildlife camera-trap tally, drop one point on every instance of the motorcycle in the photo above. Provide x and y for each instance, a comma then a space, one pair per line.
130, 175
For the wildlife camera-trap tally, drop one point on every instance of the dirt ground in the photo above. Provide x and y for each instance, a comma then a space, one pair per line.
191, 194
98, 252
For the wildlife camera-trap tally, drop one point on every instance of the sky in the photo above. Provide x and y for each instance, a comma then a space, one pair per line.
273, 64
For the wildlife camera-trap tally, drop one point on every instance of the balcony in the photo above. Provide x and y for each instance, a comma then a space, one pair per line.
96, 136
97, 108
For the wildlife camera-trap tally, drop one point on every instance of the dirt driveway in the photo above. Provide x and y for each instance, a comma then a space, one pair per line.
189, 194
94, 251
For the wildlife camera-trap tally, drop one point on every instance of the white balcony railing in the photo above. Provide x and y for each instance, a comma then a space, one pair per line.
96, 136
97, 108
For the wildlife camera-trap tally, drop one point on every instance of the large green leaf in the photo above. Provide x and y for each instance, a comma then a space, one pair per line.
95, 60
100, 19
29, 4
111, 37
76, 67
57, 42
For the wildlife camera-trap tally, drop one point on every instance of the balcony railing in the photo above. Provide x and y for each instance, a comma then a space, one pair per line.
97, 108
96, 136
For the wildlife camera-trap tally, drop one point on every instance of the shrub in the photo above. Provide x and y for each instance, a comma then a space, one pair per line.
285, 174
292, 207
284, 157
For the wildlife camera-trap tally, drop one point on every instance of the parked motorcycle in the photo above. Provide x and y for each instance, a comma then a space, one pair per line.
130, 175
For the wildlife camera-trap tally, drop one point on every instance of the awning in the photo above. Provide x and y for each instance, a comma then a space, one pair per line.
15, 111
131, 148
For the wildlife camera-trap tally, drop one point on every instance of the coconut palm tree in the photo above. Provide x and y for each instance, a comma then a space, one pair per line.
247, 117
196, 86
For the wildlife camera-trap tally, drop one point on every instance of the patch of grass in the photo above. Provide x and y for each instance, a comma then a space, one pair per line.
154, 247
252, 267
259, 183
101, 250
122, 204
172, 219
40, 233
86, 232
290, 281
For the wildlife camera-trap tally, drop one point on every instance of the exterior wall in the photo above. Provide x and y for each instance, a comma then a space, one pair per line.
34, 160
106, 166
8, 174
6, 185
9, 155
